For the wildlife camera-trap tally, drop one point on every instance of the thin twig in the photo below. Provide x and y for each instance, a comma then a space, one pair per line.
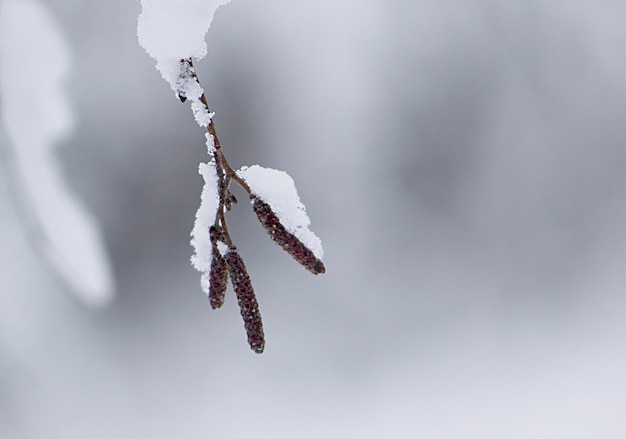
228, 170
225, 171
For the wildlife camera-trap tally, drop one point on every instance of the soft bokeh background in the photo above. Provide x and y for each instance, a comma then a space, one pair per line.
462, 161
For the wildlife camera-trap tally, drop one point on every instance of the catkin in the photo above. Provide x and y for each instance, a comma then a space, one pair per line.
285, 239
247, 300
218, 275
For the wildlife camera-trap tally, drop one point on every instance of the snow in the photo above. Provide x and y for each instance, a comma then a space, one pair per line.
174, 30
210, 141
205, 218
181, 77
34, 67
201, 113
278, 190
222, 248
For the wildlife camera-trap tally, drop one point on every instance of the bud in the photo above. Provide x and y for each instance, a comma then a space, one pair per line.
218, 275
247, 300
286, 240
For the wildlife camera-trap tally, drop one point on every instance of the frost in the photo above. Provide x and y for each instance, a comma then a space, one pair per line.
34, 66
205, 216
278, 190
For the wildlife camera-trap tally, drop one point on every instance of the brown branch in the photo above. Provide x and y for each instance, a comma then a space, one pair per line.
228, 170
225, 171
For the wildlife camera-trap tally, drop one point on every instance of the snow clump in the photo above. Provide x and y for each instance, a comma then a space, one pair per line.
278, 190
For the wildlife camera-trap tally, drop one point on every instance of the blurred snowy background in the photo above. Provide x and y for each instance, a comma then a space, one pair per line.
462, 161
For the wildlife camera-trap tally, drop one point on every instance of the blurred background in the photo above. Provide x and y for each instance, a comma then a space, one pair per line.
462, 162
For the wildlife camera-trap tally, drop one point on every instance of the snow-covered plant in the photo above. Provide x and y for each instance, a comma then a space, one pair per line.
35, 67
173, 32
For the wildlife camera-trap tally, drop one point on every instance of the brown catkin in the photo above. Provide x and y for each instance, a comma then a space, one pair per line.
218, 275
218, 281
286, 240
247, 300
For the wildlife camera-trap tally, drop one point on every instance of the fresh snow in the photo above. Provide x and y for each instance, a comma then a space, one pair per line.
174, 30
205, 217
278, 190
210, 141
34, 67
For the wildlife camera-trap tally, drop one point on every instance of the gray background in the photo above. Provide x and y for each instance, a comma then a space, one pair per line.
462, 161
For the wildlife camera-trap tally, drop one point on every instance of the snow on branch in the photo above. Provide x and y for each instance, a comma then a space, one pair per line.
205, 217
282, 214
173, 32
